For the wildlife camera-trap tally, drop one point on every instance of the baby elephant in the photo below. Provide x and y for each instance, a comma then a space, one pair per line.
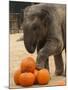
44, 27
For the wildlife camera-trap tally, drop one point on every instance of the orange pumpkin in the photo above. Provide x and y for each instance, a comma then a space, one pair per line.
16, 76
43, 76
35, 73
26, 79
28, 65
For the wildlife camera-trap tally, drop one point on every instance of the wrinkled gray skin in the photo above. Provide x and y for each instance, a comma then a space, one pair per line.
44, 27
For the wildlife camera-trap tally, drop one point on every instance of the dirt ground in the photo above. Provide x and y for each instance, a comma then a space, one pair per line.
17, 52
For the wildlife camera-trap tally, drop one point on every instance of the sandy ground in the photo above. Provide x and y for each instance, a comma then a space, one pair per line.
17, 52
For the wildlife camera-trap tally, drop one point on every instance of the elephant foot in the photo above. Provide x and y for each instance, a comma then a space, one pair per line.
39, 66
59, 72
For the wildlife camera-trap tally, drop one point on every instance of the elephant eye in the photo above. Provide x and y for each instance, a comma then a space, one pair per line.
35, 28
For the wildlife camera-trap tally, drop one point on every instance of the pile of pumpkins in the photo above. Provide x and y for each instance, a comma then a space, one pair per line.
28, 75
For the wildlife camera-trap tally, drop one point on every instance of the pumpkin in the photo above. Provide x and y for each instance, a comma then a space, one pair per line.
26, 79
35, 73
16, 76
43, 76
28, 65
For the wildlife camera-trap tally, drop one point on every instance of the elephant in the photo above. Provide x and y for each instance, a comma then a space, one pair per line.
44, 28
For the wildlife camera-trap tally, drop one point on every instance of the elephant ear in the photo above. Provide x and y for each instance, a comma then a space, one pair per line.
26, 10
45, 17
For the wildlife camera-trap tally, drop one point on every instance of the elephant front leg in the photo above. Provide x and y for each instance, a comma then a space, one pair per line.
40, 63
